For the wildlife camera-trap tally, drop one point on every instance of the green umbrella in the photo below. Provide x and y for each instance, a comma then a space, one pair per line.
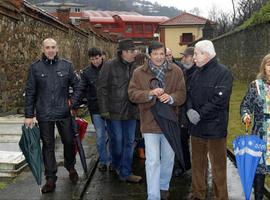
30, 146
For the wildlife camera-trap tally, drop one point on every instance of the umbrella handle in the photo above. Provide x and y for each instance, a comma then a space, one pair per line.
247, 123
72, 111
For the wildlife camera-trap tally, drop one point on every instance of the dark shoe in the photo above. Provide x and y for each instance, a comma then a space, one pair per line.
102, 168
73, 175
133, 179
48, 187
111, 168
164, 194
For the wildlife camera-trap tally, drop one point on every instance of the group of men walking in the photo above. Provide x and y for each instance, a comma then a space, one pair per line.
197, 90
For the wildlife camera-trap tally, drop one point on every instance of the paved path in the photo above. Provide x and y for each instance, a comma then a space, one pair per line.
106, 186
24, 186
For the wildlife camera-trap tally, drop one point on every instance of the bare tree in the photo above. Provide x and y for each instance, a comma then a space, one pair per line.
223, 20
227, 21
246, 8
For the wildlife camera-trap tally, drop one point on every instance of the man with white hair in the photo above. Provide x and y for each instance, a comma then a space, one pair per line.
208, 111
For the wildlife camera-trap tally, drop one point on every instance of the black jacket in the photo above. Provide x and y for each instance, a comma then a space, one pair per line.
47, 89
183, 120
88, 87
112, 90
209, 94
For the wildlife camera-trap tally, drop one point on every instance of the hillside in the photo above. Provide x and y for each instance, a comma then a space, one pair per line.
141, 6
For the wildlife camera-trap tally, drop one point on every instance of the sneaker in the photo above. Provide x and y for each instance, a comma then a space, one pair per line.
48, 187
73, 175
164, 194
102, 168
133, 179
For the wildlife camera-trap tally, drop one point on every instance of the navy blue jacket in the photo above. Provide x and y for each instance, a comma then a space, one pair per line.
47, 89
209, 94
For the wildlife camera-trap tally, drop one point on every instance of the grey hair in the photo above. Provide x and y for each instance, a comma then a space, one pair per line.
206, 46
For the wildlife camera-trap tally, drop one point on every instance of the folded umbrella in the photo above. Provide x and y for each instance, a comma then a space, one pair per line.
168, 123
30, 146
79, 145
248, 151
81, 129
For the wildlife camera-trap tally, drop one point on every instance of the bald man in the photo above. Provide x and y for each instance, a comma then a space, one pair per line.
47, 94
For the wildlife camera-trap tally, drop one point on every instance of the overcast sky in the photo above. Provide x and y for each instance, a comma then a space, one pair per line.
203, 5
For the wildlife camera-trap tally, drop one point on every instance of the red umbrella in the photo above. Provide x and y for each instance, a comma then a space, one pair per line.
82, 127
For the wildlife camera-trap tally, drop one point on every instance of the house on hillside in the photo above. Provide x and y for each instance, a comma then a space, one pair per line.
176, 33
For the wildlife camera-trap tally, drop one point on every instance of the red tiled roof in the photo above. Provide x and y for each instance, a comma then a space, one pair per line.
186, 19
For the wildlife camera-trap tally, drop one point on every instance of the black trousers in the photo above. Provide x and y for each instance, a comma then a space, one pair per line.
48, 147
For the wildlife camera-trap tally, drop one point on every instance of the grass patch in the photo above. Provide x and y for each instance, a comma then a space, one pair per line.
2, 185
236, 127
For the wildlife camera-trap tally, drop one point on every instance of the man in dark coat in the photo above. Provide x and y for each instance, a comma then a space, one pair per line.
47, 95
88, 84
114, 105
188, 67
208, 111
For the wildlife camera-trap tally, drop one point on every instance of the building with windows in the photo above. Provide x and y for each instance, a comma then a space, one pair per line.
126, 24
176, 33
117, 24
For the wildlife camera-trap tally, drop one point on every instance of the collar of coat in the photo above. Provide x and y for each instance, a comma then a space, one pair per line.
210, 63
48, 61
146, 68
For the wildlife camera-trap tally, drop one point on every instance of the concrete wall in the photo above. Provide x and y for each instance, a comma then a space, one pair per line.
172, 37
22, 30
242, 51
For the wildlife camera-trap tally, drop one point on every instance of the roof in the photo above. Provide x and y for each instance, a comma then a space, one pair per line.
109, 16
56, 4
136, 18
186, 19
99, 13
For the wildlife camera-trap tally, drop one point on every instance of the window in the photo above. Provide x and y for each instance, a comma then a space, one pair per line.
138, 28
148, 28
129, 28
186, 38
77, 10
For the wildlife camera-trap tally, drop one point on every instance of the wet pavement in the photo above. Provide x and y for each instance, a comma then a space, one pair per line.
106, 186
24, 186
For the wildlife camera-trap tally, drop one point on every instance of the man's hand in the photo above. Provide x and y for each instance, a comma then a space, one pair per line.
156, 92
29, 122
164, 98
193, 116
105, 115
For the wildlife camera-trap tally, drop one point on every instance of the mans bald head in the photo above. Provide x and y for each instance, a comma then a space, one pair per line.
49, 48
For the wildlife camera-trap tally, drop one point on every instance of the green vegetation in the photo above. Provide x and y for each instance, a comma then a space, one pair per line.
2, 185
236, 127
259, 17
